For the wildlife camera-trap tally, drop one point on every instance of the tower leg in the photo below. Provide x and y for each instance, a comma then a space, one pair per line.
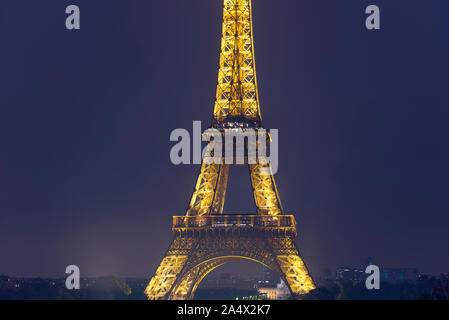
171, 266
165, 276
293, 270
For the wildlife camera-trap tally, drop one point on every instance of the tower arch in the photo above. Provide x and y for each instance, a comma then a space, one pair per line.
189, 282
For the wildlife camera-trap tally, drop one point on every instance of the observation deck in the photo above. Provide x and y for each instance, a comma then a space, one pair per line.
238, 223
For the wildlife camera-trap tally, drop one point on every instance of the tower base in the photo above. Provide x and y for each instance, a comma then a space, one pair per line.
197, 250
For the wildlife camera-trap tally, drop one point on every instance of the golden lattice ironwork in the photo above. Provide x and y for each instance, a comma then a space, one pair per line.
210, 190
204, 238
201, 252
165, 276
237, 95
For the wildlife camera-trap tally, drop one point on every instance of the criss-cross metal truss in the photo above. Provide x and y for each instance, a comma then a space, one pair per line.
210, 190
193, 255
237, 96
205, 238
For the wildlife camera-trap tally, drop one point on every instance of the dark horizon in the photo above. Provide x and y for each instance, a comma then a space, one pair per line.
86, 177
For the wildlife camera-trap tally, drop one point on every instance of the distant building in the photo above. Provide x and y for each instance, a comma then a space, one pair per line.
348, 274
269, 293
279, 292
268, 285
268, 278
395, 275
225, 280
392, 275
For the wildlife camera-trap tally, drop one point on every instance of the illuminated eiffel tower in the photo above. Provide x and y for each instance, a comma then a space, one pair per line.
205, 238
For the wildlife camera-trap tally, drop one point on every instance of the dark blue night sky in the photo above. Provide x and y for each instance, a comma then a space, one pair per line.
85, 174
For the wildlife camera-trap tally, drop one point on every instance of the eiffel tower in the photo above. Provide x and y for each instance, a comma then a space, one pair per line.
205, 238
